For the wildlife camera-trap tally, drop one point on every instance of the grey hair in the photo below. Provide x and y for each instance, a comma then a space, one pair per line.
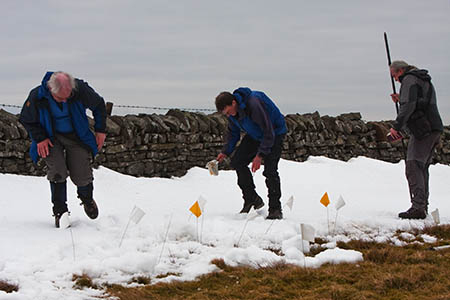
401, 65
55, 85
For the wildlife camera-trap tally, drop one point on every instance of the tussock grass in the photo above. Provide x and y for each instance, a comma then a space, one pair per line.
83, 281
141, 280
8, 287
387, 272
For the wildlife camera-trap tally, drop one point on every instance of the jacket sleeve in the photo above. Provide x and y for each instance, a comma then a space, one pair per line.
408, 100
232, 137
259, 115
95, 103
29, 118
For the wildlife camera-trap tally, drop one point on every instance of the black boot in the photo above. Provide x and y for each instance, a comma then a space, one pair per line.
256, 204
59, 200
58, 218
85, 195
275, 214
413, 213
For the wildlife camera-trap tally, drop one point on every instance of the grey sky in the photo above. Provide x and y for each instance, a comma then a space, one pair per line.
306, 55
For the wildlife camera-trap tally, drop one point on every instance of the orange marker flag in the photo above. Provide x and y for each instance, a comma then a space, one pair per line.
195, 209
325, 200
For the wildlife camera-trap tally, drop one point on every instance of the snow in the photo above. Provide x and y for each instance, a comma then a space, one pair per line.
41, 259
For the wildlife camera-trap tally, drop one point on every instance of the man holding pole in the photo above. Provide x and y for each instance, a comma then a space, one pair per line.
419, 115
257, 115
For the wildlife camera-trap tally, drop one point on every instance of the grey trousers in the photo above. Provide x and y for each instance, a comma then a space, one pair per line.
68, 157
419, 156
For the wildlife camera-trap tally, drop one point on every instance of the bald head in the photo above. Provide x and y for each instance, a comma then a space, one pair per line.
61, 85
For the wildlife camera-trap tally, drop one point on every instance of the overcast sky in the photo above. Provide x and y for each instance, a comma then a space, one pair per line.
327, 56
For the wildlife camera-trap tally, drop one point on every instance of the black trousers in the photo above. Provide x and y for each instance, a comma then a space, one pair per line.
242, 157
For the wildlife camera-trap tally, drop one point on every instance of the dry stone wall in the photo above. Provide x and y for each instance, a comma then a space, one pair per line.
168, 145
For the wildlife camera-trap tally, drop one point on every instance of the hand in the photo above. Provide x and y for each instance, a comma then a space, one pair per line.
221, 157
256, 163
42, 148
395, 98
395, 134
100, 139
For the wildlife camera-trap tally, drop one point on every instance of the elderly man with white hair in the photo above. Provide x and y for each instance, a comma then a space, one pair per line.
54, 115
419, 116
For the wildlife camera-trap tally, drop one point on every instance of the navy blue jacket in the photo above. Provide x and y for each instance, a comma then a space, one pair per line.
36, 115
259, 117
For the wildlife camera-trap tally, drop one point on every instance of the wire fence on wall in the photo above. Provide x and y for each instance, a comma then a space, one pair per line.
123, 109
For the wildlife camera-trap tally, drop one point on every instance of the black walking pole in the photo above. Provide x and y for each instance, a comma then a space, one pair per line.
393, 84
389, 65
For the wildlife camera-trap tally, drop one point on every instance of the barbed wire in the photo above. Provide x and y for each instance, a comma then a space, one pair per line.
10, 105
136, 106
164, 108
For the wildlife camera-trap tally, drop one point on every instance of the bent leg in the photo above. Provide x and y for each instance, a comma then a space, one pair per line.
244, 154
57, 174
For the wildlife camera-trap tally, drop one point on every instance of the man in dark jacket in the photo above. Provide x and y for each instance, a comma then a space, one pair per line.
255, 114
54, 115
419, 115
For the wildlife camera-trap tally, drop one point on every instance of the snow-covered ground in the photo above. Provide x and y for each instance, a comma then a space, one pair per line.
41, 259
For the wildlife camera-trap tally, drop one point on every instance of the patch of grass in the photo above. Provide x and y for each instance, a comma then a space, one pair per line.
277, 251
141, 280
387, 272
83, 281
439, 231
160, 276
8, 287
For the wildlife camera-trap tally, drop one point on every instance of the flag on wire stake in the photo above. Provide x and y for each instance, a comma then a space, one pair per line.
290, 202
135, 216
253, 214
64, 222
196, 211
308, 234
339, 204
435, 215
202, 202
165, 239
325, 202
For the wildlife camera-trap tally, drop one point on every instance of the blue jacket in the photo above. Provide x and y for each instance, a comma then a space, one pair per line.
36, 115
259, 117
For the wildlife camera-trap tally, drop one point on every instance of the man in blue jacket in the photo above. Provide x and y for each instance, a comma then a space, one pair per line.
54, 115
255, 114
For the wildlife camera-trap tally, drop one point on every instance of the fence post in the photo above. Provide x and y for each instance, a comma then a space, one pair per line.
109, 107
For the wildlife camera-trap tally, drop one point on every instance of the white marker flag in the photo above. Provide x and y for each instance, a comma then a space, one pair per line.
340, 203
308, 232
64, 221
435, 215
202, 202
290, 202
136, 214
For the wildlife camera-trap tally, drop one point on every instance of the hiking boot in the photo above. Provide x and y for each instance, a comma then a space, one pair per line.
274, 214
58, 218
90, 207
413, 213
257, 204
